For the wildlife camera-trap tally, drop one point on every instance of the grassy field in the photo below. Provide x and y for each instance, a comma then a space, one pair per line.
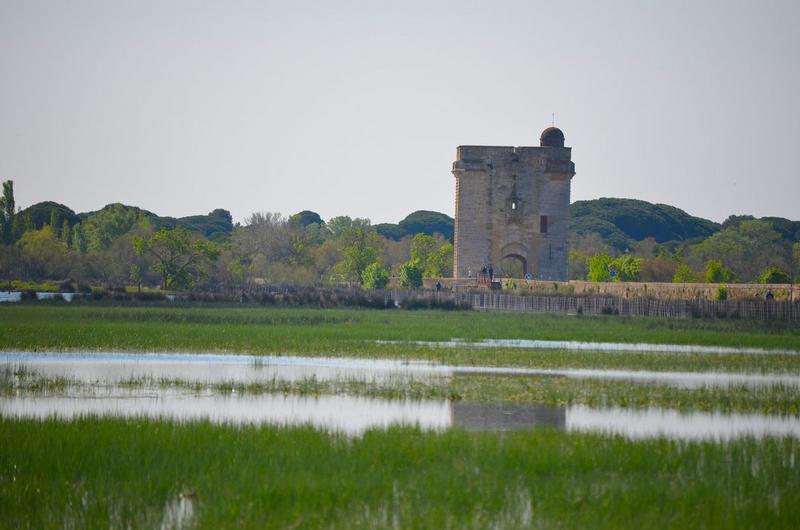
113, 474
354, 332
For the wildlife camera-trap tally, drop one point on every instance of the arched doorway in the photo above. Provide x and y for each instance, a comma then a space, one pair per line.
513, 266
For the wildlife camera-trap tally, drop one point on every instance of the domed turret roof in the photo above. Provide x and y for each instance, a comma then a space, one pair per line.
552, 137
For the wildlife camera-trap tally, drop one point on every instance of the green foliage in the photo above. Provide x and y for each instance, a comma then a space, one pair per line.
44, 256
440, 263
620, 221
435, 257
101, 228
7, 213
722, 293
747, 247
359, 244
578, 265
419, 222
773, 275
788, 230
390, 231
216, 226
375, 276
716, 272
684, 274
600, 268
627, 268
659, 269
411, 274
306, 217
181, 259
41, 214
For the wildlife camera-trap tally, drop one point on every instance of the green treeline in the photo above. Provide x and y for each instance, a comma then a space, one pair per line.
128, 247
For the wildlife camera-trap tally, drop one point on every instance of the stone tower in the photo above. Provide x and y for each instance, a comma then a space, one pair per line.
512, 208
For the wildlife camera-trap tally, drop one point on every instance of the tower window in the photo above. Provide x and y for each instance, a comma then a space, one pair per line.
543, 224
513, 205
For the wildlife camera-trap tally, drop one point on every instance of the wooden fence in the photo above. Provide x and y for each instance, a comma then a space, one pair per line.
596, 305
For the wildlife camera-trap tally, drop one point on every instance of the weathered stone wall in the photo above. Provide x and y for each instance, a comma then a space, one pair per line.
631, 290
501, 195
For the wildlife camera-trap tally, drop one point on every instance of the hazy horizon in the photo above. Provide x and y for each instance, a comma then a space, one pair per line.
357, 108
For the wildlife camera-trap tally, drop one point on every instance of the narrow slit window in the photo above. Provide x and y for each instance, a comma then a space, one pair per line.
543, 224
513, 205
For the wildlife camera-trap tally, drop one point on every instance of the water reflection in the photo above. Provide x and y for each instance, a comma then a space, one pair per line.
354, 415
349, 414
638, 347
218, 368
506, 417
178, 513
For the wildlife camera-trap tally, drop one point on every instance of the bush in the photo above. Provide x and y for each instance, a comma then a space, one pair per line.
684, 274
774, 275
716, 272
375, 276
722, 293
411, 275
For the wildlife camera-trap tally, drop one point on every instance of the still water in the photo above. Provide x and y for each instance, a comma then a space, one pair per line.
218, 368
619, 347
354, 415
101, 391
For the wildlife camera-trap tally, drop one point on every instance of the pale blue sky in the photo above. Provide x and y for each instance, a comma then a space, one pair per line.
356, 108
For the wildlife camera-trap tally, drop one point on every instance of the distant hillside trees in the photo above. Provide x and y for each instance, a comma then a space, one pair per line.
419, 222
747, 248
622, 221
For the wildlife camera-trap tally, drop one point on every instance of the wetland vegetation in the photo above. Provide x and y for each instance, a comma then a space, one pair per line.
99, 471
131, 473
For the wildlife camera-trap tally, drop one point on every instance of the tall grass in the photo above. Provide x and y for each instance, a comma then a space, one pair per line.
354, 332
95, 473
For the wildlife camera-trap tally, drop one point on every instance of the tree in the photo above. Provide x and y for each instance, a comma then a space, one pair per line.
716, 272
44, 256
658, 269
181, 259
101, 228
10, 263
411, 275
684, 274
7, 212
600, 268
796, 260
773, 275
306, 217
375, 276
628, 268
360, 245
440, 263
748, 248
577, 265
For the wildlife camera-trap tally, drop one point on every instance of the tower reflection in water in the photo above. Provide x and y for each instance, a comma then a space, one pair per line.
506, 417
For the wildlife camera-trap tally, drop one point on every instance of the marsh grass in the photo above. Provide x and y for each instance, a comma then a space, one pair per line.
342, 332
544, 390
93, 473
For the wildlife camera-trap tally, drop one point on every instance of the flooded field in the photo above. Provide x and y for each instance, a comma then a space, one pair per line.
210, 368
354, 415
186, 387
590, 346
310, 418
